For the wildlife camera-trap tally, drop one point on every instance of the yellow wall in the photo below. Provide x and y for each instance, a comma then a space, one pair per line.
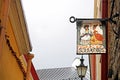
9, 68
0, 9
13, 65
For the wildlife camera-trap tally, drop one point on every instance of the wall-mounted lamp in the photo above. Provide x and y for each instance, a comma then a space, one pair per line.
81, 69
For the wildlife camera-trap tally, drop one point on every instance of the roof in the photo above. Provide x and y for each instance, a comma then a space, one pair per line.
67, 73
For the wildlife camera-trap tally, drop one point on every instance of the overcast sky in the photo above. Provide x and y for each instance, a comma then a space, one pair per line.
52, 36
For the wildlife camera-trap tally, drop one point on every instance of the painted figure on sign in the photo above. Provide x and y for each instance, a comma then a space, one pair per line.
85, 35
97, 35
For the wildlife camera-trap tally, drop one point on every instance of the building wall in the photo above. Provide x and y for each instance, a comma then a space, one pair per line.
98, 67
9, 67
14, 43
93, 66
95, 60
114, 41
98, 14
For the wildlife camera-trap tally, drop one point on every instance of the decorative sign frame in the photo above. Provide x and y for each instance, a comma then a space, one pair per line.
91, 36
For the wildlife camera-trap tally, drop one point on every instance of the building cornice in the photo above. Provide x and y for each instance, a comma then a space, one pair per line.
20, 30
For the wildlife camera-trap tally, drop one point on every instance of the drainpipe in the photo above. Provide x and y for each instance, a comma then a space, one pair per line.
104, 57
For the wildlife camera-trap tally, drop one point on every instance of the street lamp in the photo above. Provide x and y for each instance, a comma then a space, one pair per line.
81, 69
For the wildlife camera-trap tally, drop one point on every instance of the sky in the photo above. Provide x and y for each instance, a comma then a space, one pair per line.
52, 36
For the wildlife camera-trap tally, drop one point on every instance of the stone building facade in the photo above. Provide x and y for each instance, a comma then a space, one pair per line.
109, 64
114, 41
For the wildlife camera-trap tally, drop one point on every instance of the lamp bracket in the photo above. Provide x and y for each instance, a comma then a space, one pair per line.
112, 17
72, 19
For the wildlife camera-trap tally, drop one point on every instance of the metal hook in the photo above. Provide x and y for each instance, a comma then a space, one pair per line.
112, 17
72, 19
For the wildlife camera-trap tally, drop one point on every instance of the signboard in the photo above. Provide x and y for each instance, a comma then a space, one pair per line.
91, 36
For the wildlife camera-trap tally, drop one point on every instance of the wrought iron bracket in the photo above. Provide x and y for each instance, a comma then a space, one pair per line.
72, 19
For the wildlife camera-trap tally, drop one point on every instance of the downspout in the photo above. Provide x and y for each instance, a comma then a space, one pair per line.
104, 57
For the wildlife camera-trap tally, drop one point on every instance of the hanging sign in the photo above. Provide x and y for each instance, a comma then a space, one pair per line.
91, 36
